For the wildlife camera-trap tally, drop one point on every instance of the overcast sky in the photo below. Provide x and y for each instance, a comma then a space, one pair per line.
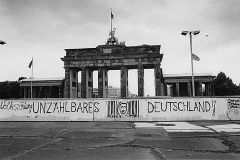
42, 29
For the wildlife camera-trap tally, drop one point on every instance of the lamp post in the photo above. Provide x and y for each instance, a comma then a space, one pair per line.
190, 33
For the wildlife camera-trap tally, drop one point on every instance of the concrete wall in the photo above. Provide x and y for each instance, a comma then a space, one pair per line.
137, 109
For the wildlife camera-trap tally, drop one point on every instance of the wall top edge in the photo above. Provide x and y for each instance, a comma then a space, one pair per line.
158, 97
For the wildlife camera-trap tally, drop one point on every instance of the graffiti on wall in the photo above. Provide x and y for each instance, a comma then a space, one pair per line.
46, 107
182, 106
233, 109
118, 109
10, 105
124, 109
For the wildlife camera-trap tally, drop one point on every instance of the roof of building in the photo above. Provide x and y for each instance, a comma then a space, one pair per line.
43, 79
42, 82
189, 75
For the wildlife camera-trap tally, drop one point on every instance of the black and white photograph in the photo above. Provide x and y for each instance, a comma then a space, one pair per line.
119, 79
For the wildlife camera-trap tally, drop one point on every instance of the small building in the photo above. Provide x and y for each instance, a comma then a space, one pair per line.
180, 85
42, 88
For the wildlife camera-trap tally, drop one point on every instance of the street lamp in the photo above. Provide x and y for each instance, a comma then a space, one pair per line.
2, 42
190, 33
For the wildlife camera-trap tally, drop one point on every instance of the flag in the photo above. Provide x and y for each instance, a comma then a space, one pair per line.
30, 64
111, 15
195, 57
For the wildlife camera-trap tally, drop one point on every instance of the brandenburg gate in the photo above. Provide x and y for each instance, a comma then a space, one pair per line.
111, 56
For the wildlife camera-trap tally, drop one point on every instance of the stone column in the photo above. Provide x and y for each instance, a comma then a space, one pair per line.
102, 82
50, 92
67, 83
59, 92
28, 92
207, 89
105, 82
83, 83
200, 89
189, 89
25, 92
89, 83
34, 92
171, 86
21, 92
140, 81
177, 89
158, 80
73, 82
40, 92
211, 89
124, 82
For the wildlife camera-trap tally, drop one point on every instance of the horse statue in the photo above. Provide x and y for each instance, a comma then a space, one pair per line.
112, 33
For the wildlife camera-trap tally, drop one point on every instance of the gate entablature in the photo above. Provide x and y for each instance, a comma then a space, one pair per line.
106, 50
113, 57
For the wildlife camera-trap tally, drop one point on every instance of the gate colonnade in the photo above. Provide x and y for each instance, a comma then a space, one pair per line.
111, 57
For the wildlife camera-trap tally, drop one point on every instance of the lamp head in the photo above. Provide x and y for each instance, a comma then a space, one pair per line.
184, 33
196, 32
2, 42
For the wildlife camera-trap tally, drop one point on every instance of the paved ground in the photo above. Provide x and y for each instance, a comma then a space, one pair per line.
120, 140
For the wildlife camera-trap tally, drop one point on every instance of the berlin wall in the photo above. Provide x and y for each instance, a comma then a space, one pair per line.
134, 109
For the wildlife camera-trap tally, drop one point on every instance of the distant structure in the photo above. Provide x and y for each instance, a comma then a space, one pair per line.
176, 85
179, 85
42, 88
113, 92
111, 56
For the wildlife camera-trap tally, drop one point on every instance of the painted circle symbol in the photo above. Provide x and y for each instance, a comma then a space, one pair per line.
123, 109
